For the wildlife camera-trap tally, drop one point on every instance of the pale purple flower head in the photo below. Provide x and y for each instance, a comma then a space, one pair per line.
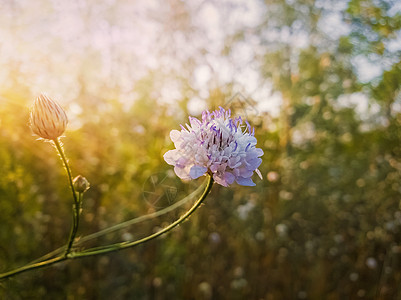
218, 145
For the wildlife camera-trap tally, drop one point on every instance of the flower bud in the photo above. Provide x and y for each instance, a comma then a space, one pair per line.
81, 184
47, 120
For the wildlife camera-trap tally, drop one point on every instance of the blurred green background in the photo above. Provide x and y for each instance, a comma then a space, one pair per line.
319, 80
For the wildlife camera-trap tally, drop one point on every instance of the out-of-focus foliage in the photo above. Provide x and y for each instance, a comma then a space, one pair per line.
324, 223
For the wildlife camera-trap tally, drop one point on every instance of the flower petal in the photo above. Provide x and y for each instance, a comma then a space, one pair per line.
253, 163
197, 171
182, 173
171, 156
254, 152
229, 177
245, 181
244, 172
220, 180
175, 135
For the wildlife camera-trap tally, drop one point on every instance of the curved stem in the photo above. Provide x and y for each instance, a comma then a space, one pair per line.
74, 228
124, 224
124, 245
38, 265
140, 218
111, 248
76, 208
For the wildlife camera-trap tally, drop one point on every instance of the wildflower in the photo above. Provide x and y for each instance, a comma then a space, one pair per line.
218, 145
47, 120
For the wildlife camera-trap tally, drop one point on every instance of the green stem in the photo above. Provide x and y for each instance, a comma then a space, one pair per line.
141, 218
124, 245
115, 247
76, 208
38, 265
124, 224
74, 229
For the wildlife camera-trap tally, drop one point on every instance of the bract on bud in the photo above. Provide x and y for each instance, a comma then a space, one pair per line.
48, 119
81, 184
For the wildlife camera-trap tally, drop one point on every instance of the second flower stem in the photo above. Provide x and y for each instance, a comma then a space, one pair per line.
124, 245
77, 202
109, 248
